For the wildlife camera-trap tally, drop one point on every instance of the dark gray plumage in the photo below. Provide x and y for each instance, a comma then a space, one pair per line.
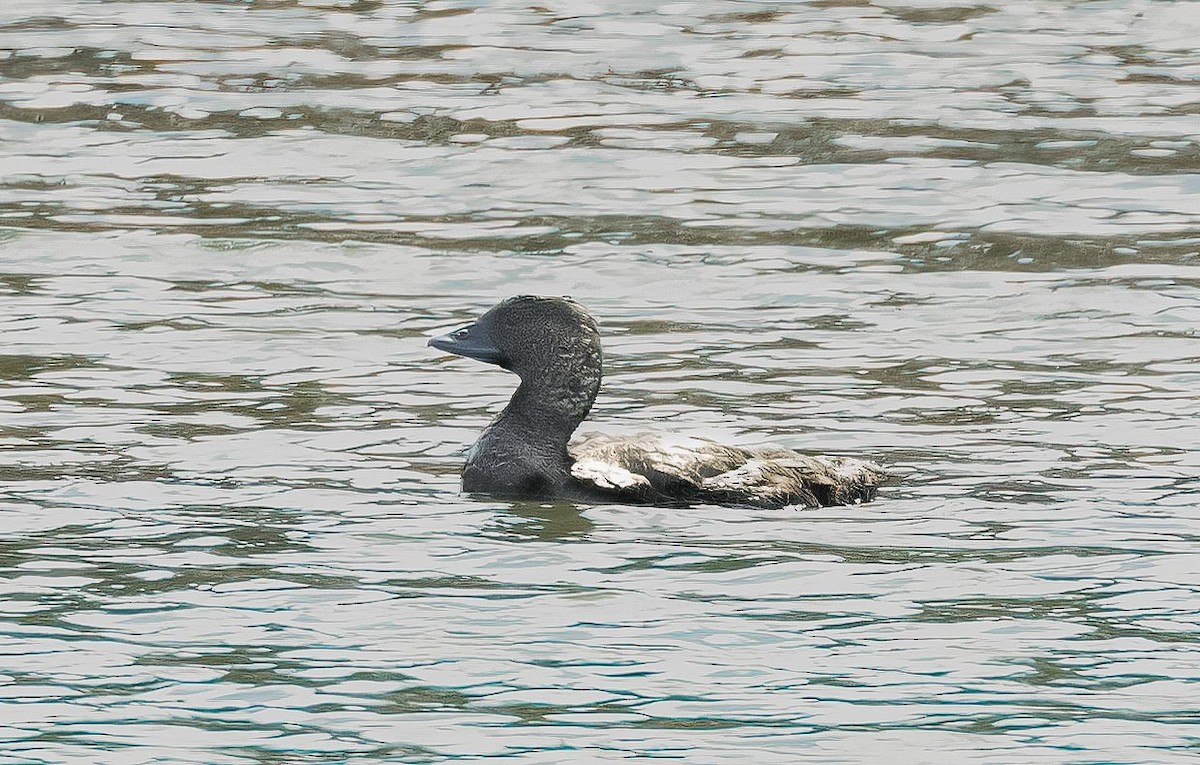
553, 344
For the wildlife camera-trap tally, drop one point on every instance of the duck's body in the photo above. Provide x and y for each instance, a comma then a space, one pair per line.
554, 345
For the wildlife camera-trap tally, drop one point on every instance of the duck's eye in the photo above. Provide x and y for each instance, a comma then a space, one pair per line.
461, 334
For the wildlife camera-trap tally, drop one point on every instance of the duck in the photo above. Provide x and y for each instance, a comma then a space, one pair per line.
553, 345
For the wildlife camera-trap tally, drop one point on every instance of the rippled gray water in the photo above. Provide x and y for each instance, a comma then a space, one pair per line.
961, 239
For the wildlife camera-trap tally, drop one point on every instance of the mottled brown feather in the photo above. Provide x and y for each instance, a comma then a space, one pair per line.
648, 467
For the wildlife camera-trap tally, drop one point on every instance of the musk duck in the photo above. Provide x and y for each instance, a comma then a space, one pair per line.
553, 345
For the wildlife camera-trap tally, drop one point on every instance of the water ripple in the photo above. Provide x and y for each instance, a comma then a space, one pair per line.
959, 238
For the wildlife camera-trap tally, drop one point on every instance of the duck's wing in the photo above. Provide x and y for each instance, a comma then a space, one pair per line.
797, 479
650, 468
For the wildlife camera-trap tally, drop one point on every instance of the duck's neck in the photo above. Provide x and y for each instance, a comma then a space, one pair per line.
546, 412
524, 451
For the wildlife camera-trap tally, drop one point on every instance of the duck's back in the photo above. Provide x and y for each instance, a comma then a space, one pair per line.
650, 468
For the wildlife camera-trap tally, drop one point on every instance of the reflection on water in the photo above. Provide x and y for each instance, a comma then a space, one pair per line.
960, 239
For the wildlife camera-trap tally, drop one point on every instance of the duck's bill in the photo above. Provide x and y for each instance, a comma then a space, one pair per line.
471, 341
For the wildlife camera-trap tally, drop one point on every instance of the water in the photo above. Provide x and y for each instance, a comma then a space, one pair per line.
960, 239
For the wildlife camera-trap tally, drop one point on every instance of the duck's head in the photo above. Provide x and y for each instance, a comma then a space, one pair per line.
546, 339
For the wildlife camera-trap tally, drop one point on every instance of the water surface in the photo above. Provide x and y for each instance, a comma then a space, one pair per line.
960, 239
